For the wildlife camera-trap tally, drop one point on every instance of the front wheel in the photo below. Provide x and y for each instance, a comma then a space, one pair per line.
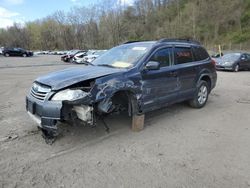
6, 55
201, 95
236, 68
24, 55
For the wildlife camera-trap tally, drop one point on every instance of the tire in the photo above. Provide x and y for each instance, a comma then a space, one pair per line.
236, 68
24, 55
201, 95
7, 55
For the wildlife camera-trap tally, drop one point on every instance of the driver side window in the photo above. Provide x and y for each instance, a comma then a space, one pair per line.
163, 56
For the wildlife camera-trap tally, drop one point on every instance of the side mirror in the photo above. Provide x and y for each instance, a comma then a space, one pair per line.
152, 65
243, 58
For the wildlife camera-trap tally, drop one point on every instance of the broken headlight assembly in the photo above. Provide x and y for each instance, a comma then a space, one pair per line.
69, 95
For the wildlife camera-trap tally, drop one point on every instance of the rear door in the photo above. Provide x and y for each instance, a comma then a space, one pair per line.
188, 70
160, 87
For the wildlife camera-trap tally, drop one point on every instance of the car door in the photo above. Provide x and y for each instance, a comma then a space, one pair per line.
188, 70
243, 61
160, 87
15, 52
21, 51
11, 51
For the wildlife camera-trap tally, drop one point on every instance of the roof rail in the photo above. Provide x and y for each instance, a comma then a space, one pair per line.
128, 42
187, 40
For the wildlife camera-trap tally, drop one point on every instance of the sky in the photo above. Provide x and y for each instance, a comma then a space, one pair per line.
22, 11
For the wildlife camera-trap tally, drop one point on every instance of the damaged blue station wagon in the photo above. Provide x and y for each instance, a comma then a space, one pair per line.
136, 77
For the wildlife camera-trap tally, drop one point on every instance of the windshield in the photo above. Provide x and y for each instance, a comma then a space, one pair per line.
124, 56
231, 57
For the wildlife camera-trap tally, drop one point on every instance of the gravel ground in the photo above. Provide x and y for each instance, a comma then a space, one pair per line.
179, 147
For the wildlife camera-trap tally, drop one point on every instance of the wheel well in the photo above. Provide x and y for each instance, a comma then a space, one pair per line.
126, 100
121, 96
208, 80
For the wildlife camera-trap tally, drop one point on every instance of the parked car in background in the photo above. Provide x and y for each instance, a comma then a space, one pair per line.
136, 77
234, 62
17, 52
68, 57
1, 50
93, 56
38, 53
61, 52
217, 55
78, 58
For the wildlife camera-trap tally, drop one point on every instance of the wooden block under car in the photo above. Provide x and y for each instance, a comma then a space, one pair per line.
138, 122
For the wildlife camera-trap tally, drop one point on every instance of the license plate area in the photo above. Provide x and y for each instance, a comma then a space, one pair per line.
31, 107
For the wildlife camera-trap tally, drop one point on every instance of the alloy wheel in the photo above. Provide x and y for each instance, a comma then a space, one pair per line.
236, 68
202, 95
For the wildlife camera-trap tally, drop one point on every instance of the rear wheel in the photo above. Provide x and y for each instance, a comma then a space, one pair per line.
201, 95
236, 68
24, 55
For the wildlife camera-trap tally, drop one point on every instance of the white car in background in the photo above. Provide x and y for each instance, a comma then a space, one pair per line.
1, 50
91, 57
79, 57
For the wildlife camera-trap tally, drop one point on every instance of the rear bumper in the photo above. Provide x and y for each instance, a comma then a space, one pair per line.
219, 67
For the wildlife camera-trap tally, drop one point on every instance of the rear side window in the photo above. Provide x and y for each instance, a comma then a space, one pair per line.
183, 55
163, 56
200, 54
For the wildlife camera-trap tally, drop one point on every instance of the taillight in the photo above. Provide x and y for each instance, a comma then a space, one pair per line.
213, 62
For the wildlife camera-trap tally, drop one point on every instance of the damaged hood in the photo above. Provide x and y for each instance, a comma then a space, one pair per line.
64, 78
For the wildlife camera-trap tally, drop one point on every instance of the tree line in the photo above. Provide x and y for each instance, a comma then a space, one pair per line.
110, 22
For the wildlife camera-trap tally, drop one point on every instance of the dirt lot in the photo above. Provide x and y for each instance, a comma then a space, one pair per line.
179, 147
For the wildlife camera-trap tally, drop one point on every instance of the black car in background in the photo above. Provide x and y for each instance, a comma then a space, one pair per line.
16, 52
136, 77
69, 56
234, 62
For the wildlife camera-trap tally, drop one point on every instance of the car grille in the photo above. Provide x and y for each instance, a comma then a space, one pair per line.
39, 91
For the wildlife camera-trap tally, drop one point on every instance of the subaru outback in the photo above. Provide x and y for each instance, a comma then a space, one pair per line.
135, 77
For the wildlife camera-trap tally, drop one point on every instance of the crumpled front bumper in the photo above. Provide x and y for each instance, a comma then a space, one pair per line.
45, 113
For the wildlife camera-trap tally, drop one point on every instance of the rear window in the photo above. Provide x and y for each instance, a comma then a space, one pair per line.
200, 54
183, 55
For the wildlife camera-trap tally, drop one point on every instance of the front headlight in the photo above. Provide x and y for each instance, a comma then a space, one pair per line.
69, 95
